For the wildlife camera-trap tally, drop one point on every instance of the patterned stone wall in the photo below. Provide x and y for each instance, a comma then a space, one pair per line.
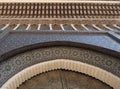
19, 62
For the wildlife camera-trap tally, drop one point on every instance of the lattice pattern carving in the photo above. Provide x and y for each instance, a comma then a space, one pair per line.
59, 10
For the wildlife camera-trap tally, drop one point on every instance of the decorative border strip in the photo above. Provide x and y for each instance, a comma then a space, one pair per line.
59, 10
64, 1
90, 70
63, 19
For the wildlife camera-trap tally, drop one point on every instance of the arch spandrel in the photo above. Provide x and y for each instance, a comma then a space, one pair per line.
21, 61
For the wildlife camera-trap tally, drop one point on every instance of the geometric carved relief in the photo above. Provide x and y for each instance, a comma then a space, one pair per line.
19, 62
59, 10
66, 64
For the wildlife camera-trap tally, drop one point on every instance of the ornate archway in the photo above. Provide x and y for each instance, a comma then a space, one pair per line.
26, 65
77, 35
31, 71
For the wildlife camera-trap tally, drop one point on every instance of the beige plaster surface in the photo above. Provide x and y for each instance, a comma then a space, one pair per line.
65, 1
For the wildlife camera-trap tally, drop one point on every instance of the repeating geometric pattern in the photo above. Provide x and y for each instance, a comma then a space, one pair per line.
60, 10
17, 63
